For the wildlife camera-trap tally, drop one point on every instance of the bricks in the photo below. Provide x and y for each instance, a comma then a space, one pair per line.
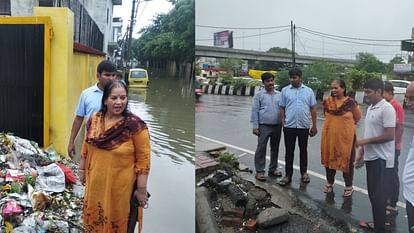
236, 212
231, 220
204, 162
251, 224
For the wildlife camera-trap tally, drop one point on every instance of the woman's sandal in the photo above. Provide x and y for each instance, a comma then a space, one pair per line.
328, 188
367, 225
348, 191
305, 178
284, 181
389, 210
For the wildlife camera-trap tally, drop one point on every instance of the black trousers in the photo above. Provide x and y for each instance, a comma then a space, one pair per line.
348, 176
393, 182
410, 213
376, 177
290, 135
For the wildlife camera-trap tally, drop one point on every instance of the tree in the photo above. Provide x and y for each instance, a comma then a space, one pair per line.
230, 64
390, 65
356, 78
319, 75
170, 37
369, 63
279, 50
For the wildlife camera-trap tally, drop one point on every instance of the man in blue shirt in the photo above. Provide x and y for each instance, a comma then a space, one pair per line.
297, 109
90, 100
266, 124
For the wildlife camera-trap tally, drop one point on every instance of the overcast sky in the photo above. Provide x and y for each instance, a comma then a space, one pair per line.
366, 19
147, 10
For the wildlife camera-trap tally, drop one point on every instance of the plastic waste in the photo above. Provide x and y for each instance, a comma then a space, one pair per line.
50, 179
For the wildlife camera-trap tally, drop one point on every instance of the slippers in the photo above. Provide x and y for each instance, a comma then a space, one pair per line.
366, 225
275, 173
348, 191
260, 176
305, 178
389, 210
285, 181
370, 225
328, 188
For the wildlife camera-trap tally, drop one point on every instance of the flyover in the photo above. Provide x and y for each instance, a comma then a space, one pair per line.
217, 52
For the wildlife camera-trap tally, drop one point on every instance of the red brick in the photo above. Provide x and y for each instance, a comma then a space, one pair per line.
251, 224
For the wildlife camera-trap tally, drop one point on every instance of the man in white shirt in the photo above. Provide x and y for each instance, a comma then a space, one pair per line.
378, 149
408, 172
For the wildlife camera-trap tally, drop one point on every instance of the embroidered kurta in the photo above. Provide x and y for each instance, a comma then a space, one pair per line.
110, 177
338, 133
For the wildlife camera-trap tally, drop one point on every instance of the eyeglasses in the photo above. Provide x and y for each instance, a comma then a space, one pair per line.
409, 98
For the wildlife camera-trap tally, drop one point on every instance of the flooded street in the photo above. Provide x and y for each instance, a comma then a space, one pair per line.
167, 106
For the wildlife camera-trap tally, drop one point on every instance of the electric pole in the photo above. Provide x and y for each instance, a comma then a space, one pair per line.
292, 30
131, 29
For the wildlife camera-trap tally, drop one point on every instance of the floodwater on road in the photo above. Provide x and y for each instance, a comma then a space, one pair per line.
167, 107
226, 119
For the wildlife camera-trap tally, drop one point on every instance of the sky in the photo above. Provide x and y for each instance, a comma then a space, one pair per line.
258, 25
147, 10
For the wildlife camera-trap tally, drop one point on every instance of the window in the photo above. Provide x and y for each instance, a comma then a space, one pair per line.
48, 3
5, 7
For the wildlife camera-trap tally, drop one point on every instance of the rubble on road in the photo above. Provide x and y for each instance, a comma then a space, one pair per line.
40, 191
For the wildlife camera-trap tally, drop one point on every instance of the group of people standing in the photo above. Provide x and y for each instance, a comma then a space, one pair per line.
115, 155
293, 111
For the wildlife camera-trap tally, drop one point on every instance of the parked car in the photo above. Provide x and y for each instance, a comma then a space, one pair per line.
400, 87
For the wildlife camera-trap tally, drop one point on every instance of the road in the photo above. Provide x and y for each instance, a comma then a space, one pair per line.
225, 119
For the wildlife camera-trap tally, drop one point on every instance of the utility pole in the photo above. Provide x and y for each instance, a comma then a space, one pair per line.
131, 29
292, 30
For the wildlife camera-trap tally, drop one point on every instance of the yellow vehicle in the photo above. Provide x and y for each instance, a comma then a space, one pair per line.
257, 74
138, 77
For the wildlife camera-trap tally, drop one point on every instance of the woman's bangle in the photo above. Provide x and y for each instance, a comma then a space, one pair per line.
142, 189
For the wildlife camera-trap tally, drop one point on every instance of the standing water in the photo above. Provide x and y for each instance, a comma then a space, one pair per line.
167, 107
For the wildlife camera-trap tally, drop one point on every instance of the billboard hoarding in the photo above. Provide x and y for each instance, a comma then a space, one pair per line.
223, 39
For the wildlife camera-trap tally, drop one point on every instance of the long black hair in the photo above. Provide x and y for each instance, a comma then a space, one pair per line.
108, 89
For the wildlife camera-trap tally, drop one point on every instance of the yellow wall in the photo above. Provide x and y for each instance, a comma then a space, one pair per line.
70, 73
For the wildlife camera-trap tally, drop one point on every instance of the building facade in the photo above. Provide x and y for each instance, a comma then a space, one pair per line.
93, 18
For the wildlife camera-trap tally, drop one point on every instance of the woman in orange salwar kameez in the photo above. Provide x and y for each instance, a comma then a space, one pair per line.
115, 156
342, 113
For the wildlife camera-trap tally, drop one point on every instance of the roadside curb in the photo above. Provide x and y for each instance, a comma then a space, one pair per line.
205, 221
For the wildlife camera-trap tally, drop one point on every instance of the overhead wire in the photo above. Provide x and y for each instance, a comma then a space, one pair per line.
241, 28
249, 36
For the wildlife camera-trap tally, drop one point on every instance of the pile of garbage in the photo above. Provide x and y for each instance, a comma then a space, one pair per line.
40, 191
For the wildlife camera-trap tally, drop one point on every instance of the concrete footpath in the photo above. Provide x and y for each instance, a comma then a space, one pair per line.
342, 214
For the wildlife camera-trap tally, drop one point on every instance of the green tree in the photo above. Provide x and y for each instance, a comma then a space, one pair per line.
282, 78
390, 65
230, 64
369, 63
356, 78
279, 50
319, 75
170, 37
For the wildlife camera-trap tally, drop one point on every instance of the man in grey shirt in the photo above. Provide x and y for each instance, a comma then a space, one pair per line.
265, 122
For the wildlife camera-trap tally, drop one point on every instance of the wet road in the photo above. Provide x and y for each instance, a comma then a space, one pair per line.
167, 106
226, 119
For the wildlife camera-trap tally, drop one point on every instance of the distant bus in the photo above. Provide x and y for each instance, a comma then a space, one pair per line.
257, 74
